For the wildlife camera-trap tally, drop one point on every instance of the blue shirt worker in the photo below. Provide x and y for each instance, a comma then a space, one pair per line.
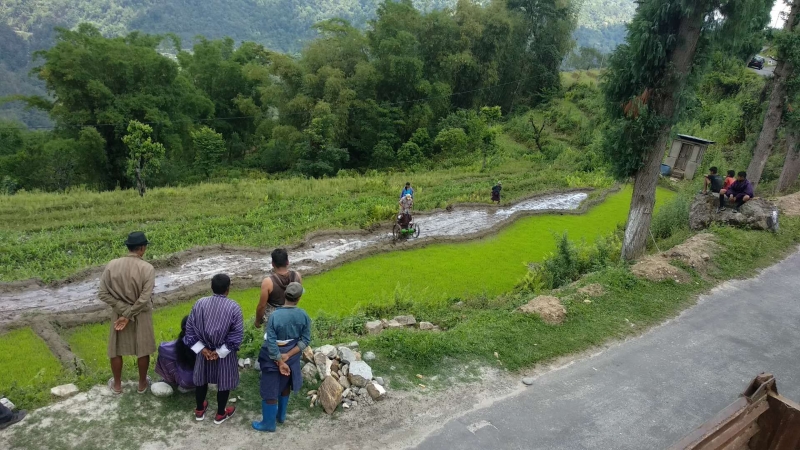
408, 190
288, 334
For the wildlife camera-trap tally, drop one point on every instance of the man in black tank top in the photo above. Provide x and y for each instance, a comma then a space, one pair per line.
273, 288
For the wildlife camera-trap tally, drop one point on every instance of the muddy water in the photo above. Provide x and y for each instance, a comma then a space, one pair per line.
313, 256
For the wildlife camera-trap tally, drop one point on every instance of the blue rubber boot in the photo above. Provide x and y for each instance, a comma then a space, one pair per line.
268, 415
283, 402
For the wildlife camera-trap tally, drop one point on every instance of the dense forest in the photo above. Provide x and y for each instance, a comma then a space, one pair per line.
415, 85
278, 25
28, 25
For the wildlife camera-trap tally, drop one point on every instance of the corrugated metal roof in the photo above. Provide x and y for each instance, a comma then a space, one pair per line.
698, 140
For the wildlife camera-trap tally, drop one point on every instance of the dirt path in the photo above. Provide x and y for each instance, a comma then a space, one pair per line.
179, 277
98, 419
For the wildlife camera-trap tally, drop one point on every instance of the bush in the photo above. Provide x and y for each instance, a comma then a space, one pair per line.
451, 141
570, 262
672, 217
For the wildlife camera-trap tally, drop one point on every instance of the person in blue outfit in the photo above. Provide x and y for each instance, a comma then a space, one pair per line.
408, 190
288, 334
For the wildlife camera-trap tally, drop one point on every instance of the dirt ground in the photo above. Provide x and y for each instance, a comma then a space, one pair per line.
98, 419
696, 253
789, 204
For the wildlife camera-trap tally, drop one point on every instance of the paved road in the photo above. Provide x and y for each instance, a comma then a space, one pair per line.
649, 392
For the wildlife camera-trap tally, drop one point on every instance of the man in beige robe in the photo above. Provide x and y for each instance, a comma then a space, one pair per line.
127, 286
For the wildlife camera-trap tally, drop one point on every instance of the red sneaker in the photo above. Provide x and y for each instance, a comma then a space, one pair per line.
200, 414
223, 417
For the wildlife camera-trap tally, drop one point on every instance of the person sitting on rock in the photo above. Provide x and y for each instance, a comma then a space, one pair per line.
288, 334
713, 181
740, 192
729, 180
176, 361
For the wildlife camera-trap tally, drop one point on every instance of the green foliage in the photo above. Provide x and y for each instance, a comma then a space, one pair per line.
145, 156
209, 148
451, 141
672, 217
569, 262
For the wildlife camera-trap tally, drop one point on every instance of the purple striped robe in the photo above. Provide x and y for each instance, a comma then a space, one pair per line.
216, 321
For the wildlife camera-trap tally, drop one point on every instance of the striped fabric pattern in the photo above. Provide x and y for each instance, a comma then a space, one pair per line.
216, 321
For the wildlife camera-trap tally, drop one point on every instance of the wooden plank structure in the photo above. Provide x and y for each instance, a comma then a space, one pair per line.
760, 419
686, 155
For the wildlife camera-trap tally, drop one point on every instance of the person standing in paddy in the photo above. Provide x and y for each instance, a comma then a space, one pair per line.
127, 286
214, 331
273, 287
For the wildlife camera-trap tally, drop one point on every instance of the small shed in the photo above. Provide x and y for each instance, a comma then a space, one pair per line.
686, 155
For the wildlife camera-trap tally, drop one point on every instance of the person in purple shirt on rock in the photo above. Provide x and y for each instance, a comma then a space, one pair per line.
740, 192
176, 361
214, 331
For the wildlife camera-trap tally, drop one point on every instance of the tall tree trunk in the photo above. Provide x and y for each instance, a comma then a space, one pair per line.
791, 167
766, 139
644, 187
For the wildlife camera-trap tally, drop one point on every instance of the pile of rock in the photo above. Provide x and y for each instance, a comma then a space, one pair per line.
757, 214
376, 326
346, 379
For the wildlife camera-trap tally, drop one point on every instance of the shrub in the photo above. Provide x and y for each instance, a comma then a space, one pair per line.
672, 217
569, 262
451, 141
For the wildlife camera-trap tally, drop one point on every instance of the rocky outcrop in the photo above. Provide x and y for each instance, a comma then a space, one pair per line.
549, 308
757, 214
352, 378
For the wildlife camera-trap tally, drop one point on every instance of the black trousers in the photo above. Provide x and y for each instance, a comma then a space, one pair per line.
200, 393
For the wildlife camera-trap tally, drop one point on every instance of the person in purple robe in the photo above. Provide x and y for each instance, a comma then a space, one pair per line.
176, 361
214, 331
740, 192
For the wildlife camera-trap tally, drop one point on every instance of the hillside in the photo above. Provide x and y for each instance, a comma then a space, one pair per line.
279, 25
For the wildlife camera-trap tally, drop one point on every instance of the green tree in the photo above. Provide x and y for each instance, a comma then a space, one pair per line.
784, 72
643, 88
145, 156
320, 155
209, 149
451, 141
105, 83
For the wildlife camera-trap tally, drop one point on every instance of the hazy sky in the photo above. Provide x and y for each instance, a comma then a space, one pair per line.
777, 21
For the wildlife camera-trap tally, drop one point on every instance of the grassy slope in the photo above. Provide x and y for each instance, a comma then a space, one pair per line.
487, 267
26, 361
52, 236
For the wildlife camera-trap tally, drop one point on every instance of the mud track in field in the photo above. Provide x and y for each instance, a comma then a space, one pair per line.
184, 275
